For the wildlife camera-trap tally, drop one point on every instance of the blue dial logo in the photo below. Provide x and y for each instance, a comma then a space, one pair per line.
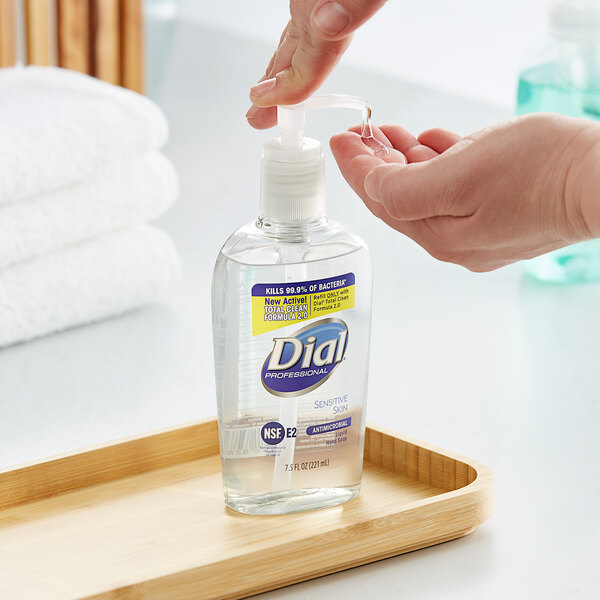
301, 363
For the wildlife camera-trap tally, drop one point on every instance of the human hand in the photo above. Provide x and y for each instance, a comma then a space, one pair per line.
508, 192
312, 43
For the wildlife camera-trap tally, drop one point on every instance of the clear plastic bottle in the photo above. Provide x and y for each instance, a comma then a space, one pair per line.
564, 77
291, 303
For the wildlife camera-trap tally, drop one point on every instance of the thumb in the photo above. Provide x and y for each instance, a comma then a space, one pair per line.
418, 190
334, 20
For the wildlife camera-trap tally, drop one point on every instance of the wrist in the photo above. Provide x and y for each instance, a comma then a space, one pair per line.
582, 184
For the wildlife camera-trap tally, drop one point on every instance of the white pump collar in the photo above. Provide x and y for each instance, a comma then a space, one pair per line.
293, 167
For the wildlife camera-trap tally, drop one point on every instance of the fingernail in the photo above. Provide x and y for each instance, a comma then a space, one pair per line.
260, 89
372, 185
251, 114
332, 18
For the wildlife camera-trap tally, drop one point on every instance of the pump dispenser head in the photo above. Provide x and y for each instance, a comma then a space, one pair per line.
293, 166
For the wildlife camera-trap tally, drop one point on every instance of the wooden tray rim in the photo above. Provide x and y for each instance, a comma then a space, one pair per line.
416, 524
93, 465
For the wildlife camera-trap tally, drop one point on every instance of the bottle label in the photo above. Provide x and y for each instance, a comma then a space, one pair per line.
303, 423
276, 305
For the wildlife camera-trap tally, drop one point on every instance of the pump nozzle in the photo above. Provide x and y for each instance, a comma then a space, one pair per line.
293, 175
291, 119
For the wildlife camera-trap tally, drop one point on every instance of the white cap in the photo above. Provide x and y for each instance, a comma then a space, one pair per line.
293, 167
576, 20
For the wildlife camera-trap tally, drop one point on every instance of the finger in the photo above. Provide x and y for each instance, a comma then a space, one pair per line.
423, 190
355, 160
282, 57
378, 134
432, 234
404, 141
391, 155
347, 147
439, 139
323, 40
310, 66
264, 118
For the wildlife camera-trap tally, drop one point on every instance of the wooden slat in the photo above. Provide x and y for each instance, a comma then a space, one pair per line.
7, 33
106, 42
375, 448
412, 461
400, 456
462, 475
73, 34
472, 474
424, 465
450, 469
436, 462
387, 453
132, 45
37, 26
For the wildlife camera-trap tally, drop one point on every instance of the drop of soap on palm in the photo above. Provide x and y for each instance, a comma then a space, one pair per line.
366, 134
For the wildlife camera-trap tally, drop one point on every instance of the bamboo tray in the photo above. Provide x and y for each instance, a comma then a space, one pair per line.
145, 518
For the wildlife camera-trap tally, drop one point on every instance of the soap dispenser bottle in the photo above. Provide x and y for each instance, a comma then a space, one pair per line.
564, 77
291, 304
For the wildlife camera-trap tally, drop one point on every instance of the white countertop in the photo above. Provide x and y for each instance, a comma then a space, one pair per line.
493, 366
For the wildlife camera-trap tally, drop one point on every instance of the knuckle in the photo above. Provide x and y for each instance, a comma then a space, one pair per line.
310, 37
436, 249
482, 266
431, 131
295, 75
444, 251
298, 75
296, 84
443, 255
477, 268
291, 33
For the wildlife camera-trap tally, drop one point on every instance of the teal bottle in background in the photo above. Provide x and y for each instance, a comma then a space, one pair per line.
564, 78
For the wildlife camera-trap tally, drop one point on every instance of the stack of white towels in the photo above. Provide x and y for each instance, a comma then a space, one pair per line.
80, 174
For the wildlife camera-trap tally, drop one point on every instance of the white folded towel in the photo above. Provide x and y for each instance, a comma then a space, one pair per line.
139, 191
58, 127
85, 282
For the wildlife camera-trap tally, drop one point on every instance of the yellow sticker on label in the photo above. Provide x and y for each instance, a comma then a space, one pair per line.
280, 304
